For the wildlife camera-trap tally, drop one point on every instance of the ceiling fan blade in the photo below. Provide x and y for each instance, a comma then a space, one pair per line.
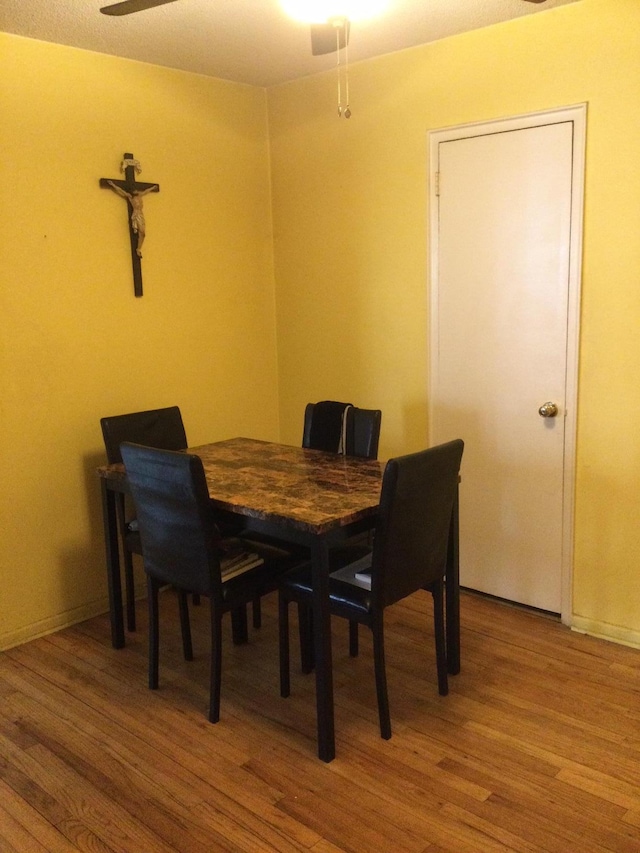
324, 37
129, 6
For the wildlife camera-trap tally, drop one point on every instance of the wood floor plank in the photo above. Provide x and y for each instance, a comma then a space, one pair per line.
22, 828
536, 749
163, 799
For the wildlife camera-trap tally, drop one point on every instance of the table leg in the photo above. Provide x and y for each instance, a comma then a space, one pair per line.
239, 625
452, 588
114, 583
322, 646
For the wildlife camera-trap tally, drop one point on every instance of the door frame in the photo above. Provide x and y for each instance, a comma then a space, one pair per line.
577, 114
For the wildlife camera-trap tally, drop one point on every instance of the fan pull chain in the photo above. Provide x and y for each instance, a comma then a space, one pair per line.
342, 26
338, 67
347, 112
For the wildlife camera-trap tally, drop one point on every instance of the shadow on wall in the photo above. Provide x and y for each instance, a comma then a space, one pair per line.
412, 430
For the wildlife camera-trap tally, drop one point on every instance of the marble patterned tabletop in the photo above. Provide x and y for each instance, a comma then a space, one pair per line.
309, 489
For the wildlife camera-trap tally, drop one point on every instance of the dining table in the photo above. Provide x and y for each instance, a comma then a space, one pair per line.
308, 497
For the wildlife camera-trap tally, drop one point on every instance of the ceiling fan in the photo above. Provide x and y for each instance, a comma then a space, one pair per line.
325, 38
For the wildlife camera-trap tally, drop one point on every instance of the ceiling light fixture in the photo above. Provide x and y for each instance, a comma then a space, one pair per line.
324, 11
330, 22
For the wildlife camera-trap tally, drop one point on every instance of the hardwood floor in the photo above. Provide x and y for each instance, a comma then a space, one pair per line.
536, 748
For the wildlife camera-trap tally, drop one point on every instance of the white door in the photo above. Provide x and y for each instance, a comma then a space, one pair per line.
505, 238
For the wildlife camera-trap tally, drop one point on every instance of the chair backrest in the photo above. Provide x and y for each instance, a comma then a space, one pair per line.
154, 428
362, 432
323, 425
328, 422
416, 503
175, 517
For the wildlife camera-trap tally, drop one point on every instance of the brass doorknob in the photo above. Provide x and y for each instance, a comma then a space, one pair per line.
548, 410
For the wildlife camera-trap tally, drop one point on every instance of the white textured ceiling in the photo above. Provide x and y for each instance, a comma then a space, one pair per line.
248, 41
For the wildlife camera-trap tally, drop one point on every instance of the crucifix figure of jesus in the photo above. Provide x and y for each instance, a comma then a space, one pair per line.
137, 213
133, 191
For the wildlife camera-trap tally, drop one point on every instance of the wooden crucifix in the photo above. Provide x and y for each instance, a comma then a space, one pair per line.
133, 191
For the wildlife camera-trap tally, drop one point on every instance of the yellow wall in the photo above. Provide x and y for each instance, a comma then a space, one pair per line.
350, 226
75, 343
350, 222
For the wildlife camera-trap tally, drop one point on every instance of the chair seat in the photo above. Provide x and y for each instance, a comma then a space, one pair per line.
298, 586
261, 579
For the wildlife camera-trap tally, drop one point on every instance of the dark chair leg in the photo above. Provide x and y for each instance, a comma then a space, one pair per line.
129, 585
196, 599
239, 628
154, 640
283, 643
437, 591
353, 638
130, 590
381, 678
305, 630
257, 612
185, 625
216, 664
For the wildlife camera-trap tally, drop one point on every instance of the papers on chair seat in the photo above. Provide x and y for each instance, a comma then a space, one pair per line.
237, 563
357, 573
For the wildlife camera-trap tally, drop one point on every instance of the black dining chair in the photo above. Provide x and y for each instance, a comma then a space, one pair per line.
162, 428
409, 554
181, 547
362, 432
323, 427
342, 428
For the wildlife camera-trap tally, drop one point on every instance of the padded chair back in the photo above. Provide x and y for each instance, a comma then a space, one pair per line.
323, 425
362, 432
177, 524
411, 540
154, 428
